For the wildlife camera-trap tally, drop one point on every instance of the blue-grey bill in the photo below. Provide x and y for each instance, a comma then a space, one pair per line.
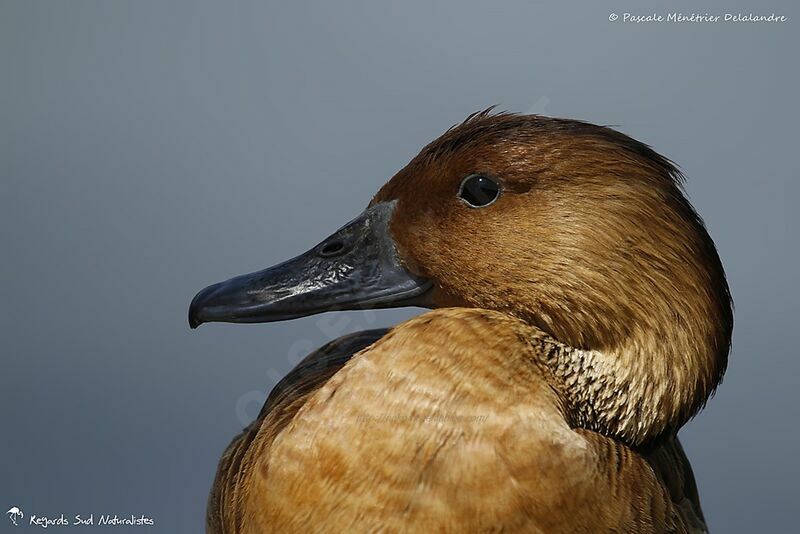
358, 267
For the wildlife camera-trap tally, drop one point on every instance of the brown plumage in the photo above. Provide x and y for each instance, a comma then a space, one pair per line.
587, 318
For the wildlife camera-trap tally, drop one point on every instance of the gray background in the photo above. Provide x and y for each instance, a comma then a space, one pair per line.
150, 147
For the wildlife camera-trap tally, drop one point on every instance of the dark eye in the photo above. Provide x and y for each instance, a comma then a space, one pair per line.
478, 190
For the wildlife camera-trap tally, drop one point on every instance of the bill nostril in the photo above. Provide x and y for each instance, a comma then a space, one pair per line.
332, 248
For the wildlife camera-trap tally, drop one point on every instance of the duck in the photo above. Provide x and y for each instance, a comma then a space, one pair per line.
578, 316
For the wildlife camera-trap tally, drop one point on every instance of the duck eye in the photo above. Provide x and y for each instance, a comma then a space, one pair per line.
478, 190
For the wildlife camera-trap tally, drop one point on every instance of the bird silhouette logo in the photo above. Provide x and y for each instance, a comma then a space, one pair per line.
15, 513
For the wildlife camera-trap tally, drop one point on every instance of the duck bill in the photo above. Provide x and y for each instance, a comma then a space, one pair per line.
358, 267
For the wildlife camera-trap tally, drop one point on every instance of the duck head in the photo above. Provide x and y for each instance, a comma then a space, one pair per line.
579, 230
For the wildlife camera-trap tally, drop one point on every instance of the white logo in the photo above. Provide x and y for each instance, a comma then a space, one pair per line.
15, 513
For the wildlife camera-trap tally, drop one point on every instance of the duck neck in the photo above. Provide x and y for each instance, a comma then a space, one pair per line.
607, 392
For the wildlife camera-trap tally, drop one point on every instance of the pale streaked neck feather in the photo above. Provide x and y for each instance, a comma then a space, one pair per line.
608, 393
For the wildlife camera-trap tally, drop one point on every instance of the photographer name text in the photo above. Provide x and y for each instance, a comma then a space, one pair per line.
698, 18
